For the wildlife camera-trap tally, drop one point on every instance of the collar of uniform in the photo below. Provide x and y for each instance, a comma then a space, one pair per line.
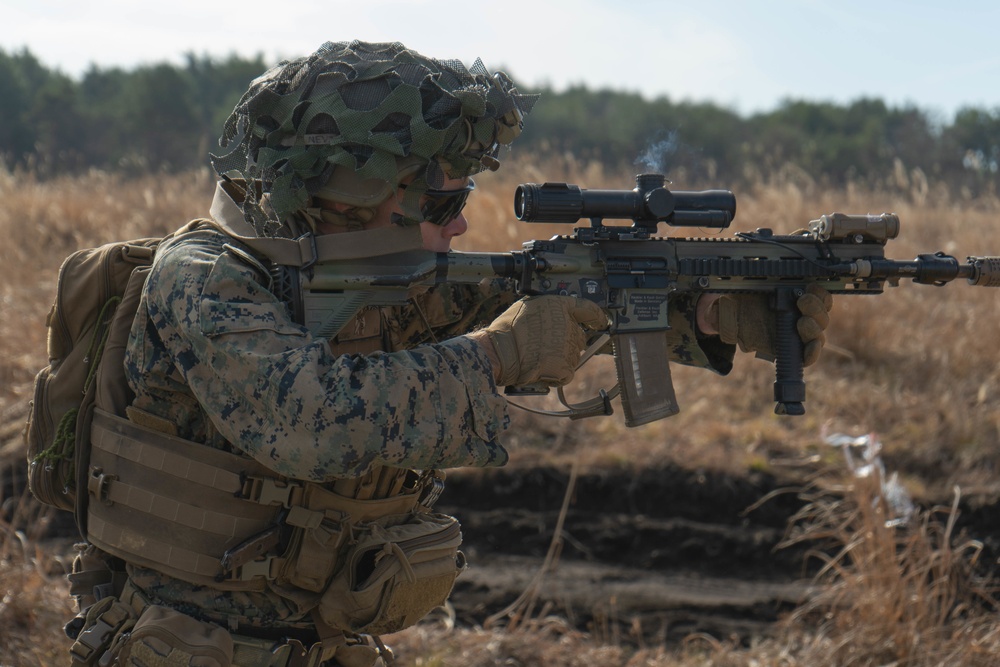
309, 249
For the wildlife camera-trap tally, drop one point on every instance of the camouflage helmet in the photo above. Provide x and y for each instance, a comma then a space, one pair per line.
351, 120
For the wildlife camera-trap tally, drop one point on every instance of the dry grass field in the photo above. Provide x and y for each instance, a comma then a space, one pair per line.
919, 366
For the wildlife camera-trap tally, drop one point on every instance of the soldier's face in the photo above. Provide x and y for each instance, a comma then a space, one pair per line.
436, 237
439, 237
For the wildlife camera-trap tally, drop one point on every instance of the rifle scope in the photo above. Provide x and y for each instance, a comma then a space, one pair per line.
649, 203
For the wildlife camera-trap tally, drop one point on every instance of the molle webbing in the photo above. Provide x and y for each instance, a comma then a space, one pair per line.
147, 494
203, 515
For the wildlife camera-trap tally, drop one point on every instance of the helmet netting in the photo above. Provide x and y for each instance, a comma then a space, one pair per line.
364, 107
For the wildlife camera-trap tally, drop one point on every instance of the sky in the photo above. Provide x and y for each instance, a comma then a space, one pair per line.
747, 55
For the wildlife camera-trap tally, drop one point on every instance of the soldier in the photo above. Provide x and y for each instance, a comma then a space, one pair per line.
280, 486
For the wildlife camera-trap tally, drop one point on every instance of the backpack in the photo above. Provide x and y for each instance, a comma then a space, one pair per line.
97, 297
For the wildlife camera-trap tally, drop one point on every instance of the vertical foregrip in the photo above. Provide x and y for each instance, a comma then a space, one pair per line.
789, 388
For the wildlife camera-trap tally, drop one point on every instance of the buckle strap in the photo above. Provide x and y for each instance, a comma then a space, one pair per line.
272, 491
100, 583
431, 486
257, 556
251, 651
254, 652
242, 561
98, 635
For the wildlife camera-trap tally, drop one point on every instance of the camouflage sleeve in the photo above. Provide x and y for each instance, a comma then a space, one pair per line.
690, 347
448, 310
282, 396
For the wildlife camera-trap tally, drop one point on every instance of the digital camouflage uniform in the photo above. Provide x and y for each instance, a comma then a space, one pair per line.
215, 353
286, 399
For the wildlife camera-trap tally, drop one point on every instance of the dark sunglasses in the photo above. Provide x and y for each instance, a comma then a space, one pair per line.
442, 206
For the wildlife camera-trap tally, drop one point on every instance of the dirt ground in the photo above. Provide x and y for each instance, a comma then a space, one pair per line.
645, 558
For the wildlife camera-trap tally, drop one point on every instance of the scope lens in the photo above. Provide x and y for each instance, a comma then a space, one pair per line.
523, 201
518, 202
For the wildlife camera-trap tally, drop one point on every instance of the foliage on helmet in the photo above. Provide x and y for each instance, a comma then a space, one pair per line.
374, 111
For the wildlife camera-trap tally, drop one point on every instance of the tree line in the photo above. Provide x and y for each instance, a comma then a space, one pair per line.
168, 117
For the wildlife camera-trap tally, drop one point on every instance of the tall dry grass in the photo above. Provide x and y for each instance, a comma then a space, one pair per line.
921, 365
35, 603
911, 593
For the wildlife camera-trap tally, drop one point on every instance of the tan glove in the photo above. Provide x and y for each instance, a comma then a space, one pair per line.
540, 338
748, 319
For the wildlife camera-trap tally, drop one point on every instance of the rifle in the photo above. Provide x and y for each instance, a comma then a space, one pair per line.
632, 274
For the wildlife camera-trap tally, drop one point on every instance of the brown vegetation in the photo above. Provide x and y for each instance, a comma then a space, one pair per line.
920, 365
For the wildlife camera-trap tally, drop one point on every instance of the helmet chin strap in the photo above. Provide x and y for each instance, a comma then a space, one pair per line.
350, 218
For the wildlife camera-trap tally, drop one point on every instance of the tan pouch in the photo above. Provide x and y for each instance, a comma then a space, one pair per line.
397, 570
97, 629
165, 637
315, 545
